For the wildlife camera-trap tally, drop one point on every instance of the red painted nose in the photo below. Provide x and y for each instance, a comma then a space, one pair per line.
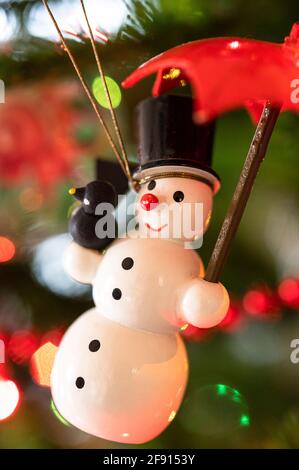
149, 202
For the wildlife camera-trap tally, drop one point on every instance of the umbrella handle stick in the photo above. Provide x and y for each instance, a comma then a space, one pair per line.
255, 156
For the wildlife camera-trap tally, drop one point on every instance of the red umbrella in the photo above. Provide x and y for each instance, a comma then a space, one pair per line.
227, 73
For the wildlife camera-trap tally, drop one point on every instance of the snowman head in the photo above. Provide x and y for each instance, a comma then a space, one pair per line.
175, 169
174, 208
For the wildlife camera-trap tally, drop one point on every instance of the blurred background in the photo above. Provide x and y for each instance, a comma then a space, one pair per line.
243, 389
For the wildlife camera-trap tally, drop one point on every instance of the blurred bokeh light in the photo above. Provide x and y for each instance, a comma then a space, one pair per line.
243, 389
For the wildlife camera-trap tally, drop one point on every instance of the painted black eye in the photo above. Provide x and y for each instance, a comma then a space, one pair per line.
94, 345
80, 382
178, 196
151, 185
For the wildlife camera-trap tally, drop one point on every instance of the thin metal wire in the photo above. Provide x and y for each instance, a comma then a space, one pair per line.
107, 93
85, 86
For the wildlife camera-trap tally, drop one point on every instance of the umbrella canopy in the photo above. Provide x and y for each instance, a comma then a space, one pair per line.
228, 73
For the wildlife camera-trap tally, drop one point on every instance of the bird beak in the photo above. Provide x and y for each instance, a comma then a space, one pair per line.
42, 364
78, 193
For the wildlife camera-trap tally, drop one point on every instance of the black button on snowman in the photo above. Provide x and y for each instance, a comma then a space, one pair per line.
121, 370
126, 264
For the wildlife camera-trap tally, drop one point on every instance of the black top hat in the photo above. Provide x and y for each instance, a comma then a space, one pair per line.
171, 144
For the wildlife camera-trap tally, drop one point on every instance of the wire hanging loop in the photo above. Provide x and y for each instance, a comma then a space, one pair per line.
107, 93
121, 157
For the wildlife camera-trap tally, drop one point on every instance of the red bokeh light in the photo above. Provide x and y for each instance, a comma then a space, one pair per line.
52, 336
3, 336
232, 320
288, 292
7, 249
4, 372
192, 333
21, 346
260, 301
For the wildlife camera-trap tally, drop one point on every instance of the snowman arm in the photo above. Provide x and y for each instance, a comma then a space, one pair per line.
81, 263
202, 304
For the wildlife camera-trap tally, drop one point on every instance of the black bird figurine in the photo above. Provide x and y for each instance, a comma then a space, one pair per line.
83, 222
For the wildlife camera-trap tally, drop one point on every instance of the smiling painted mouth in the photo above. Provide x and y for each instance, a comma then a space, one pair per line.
155, 229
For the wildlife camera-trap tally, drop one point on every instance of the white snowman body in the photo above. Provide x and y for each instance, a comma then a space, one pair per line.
118, 383
145, 290
152, 282
148, 275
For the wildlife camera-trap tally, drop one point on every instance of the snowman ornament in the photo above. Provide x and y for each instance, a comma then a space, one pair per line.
121, 369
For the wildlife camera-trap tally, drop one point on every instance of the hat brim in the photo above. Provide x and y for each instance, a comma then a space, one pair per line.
207, 176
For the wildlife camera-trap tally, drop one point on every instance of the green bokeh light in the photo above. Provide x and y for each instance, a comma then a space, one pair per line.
244, 420
99, 92
221, 389
58, 415
215, 411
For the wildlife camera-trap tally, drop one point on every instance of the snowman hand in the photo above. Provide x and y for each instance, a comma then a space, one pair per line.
81, 263
203, 304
